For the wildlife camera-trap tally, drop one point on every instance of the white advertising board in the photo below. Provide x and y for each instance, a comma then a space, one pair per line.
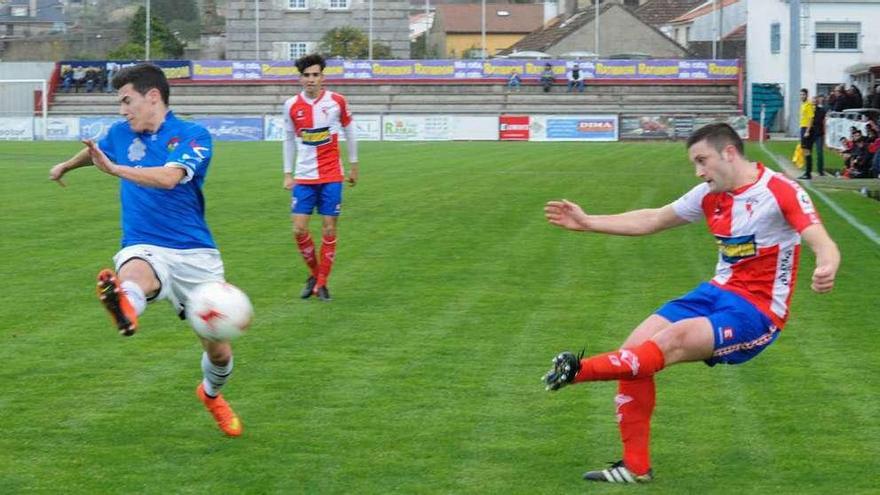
417, 128
475, 127
58, 129
16, 128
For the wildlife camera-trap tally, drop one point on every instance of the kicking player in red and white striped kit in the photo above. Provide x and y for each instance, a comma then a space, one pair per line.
758, 218
313, 120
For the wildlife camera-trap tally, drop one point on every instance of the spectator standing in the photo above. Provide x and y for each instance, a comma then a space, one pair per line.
575, 79
874, 98
817, 130
855, 97
547, 77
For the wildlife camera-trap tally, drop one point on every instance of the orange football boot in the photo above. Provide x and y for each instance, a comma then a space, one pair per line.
116, 303
225, 417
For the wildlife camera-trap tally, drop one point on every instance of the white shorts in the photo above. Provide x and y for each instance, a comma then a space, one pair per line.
179, 270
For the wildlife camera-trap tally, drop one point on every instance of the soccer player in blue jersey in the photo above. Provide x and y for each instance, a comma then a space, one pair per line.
167, 248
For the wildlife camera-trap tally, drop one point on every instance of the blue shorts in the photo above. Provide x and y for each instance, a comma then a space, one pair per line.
327, 197
741, 331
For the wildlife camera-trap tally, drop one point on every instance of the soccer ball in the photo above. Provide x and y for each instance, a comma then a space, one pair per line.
219, 311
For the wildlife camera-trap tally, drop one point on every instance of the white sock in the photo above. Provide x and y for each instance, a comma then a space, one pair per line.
135, 296
215, 376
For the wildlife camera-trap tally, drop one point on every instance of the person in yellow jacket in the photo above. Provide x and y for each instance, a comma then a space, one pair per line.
807, 111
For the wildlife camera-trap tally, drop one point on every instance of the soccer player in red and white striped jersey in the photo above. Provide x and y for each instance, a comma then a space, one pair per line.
758, 218
313, 120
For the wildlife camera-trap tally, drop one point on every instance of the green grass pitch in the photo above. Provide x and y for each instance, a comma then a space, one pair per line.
451, 294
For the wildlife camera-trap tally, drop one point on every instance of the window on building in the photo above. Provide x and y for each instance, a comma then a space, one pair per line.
838, 35
19, 11
297, 49
775, 38
338, 4
687, 34
297, 4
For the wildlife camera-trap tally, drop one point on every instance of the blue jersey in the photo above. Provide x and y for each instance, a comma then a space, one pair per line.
172, 218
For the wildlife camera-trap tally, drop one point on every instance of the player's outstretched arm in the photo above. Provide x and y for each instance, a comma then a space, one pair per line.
827, 257
81, 159
161, 177
636, 222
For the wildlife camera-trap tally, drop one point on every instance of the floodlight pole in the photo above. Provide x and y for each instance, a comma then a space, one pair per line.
596, 30
257, 25
714, 29
147, 43
483, 29
370, 41
794, 68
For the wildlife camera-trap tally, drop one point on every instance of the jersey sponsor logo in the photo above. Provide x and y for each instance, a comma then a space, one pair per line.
734, 249
315, 137
805, 202
136, 150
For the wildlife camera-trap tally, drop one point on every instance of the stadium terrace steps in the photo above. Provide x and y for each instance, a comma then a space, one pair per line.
254, 99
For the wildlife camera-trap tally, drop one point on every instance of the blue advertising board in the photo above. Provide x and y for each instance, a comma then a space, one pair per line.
233, 128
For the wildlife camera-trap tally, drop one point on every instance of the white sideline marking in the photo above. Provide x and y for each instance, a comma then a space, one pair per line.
869, 233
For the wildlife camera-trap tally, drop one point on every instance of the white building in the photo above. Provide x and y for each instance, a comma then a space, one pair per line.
835, 36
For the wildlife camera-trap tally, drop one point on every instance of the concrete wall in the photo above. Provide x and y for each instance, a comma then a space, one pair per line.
620, 32
280, 24
818, 67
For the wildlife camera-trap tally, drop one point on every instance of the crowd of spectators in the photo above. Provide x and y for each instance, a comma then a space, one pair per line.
88, 79
861, 152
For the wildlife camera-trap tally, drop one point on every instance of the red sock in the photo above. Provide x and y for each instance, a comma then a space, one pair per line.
307, 249
643, 360
635, 404
328, 252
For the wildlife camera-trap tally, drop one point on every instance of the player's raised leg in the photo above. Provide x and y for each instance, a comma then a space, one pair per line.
217, 364
124, 296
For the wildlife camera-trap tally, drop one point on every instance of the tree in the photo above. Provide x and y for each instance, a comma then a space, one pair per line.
351, 42
163, 43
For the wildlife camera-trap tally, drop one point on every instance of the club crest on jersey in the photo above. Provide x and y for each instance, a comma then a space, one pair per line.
172, 143
136, 150
727, 333
315, 137
733, 249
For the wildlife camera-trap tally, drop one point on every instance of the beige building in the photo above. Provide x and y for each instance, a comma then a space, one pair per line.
457, 28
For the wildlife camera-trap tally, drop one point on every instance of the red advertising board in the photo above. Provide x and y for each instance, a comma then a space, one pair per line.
513, 127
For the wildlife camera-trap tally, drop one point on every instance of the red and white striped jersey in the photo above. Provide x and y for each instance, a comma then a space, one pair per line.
757, 228
316, 125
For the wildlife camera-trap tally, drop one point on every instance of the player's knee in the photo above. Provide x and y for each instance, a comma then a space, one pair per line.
219, 353
328, 231
300, 231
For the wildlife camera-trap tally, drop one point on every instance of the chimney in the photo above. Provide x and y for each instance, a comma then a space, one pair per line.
551, 10
32, 8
